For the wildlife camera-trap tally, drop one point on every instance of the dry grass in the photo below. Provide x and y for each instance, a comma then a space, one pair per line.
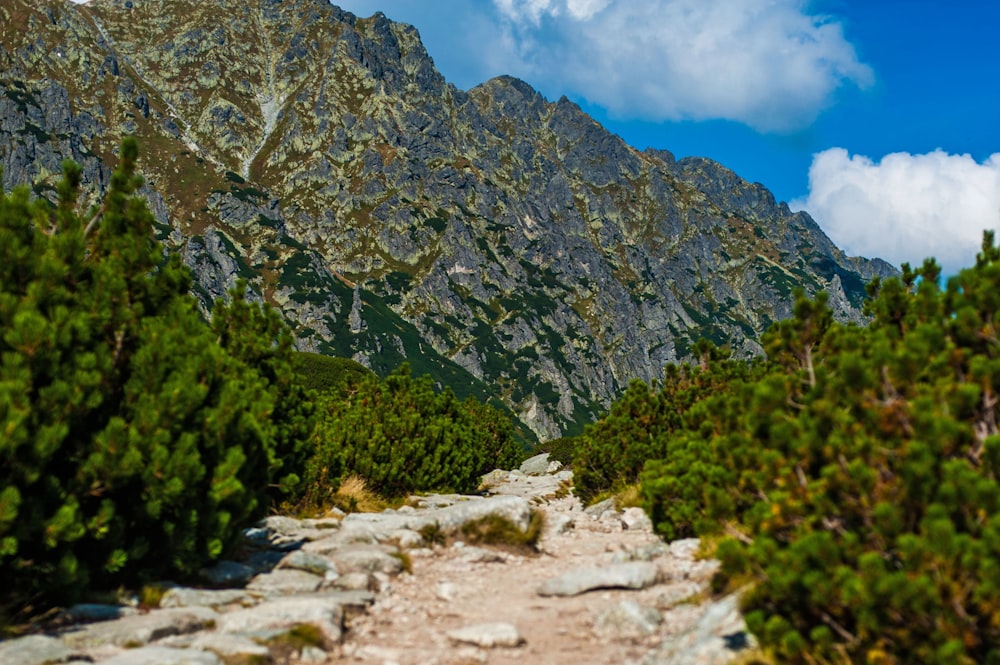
500, 532
628, 497
353, 496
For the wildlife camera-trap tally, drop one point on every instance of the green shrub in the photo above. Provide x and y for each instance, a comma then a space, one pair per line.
858, 478
562, 449
402, 436
326, 373
612, 452
134, 446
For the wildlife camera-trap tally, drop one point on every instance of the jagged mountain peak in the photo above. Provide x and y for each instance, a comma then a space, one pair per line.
510, 245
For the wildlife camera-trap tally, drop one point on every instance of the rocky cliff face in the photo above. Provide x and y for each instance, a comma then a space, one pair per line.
508, 245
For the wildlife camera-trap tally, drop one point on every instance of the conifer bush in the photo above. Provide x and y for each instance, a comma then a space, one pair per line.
134, 444
402, 436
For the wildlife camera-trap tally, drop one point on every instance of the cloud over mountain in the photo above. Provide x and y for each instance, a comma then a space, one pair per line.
766, 63
905, 207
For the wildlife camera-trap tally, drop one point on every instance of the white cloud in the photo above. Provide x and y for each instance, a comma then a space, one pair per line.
765, 63
905, 207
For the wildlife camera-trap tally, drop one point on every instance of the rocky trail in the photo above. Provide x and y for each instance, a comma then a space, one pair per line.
403, 587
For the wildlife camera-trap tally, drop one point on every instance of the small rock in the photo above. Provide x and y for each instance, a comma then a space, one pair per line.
355, 582
312, 654
34, 650
535, 466
285, 582
635, 519
316, 564
633, 575
627, 621
553, 467
406, 538
479, 555
158, 655
558, 524
366, 559
446, 591
674, 594
600, 508
488, 635
228, 645
685, 549
186, 597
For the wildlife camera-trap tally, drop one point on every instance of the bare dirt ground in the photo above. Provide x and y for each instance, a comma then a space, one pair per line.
455, 586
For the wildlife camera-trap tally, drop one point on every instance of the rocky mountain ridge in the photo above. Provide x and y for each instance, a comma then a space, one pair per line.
509, 245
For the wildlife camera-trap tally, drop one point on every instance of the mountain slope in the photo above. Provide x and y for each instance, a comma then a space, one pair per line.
507, 242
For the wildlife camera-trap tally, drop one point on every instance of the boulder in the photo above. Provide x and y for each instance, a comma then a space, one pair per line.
143, 628
632, 575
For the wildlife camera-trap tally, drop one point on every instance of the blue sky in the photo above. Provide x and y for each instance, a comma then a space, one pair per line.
881, 118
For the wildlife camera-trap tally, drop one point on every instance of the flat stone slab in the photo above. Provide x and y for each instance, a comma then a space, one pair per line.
488, 635
310, 562
143, 628
214, 598
324, 612
34, 650
632, 575
285, 582
163, 656
228, 574
535, 466
366, 559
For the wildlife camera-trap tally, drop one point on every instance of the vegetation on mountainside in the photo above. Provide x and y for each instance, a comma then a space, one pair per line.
138, 440
852, 482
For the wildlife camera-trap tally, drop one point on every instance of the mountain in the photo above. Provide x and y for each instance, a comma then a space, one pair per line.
508, 245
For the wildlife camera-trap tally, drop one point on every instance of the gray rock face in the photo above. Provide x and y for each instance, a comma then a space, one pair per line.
389, 215
632, 575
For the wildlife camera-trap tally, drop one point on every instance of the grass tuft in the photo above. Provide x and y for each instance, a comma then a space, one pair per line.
500, 532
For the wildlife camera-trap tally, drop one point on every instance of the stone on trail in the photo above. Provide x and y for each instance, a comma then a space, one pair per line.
636, 519
600, 508
627, 621
229, 645
488, 635
535, 466
143, 628
34, 650
310, 562
632, 575
715, 639
285, 582
214, 598
272, 617
163, 656
366, 559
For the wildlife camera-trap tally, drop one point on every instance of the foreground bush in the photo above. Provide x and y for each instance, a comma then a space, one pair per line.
853, 479
402, 436
136, 441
